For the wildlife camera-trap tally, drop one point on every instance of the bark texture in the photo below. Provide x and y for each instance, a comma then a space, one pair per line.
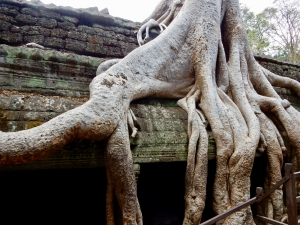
202, 58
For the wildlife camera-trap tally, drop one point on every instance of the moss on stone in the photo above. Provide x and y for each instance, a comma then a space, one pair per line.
32, 124
35, 83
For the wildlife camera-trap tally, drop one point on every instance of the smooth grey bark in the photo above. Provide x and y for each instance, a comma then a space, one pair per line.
203, 58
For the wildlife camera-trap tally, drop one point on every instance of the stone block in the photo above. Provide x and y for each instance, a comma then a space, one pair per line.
105, 11
96, 49
11, 38
74, 45
66, 26
71, 19
114, 52
31, 12
110, 41
105, 33
121, 30
95, 39
51, 15
53, 42
35, 30
26, 19
60, 33
38, 39
126, 48
15, 29
91, 9
85, 29
81, 36
9, 19
5, 25
48, 23
9, 11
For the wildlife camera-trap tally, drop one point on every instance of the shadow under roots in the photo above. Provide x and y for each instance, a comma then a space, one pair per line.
161, 190
257, 180
77, 196
258, 175
70, 196
161, 193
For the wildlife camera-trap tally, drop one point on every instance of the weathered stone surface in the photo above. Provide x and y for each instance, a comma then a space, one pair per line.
53, 42
96, 49
9, 19
74, 45
31, 12
11, 38
164, 140
26, 19
35, 30
48, 23
38, 39
105, 11
51, 15
52, 72
9, 10
100, 31
59, 33
66, 25
77, 35
71, 19
15, 29
4, 25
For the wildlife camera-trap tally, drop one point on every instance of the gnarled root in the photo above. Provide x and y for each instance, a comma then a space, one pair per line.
146, 28
196, 172
162, 18
284, 82
121, 179
130, 115
274, 206
106, 65
130, 118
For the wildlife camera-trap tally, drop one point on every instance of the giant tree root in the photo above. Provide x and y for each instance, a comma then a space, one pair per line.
196, 171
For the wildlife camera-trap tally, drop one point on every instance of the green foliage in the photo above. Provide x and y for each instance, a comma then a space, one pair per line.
284, 18
275, 31
256, 27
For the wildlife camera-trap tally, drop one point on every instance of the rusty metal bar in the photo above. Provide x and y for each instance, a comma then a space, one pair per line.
267, 220
277, 185
290, 192
229, 212
291, 200
259, 206
297, 175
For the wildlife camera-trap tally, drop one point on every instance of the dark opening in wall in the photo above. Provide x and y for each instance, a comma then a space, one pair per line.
161, 191
53, 197
77, 196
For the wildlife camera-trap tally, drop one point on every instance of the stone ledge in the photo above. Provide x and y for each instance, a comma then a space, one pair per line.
263, 58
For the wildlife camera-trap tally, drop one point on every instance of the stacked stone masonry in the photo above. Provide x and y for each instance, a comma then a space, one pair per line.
84, 31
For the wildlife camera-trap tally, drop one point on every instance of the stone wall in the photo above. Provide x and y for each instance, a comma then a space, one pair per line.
84, 31
283, 69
